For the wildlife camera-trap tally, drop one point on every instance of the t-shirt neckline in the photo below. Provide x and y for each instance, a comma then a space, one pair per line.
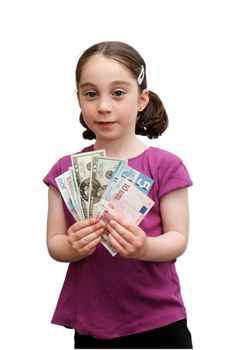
132, 158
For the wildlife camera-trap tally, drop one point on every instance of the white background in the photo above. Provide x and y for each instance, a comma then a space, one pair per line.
193, 51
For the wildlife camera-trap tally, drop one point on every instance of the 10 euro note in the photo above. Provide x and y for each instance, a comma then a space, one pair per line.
129, 202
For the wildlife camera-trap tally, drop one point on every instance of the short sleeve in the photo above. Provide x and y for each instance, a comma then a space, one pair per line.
173, 175
55, 171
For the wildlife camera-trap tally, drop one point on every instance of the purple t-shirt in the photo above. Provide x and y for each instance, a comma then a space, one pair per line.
109, 297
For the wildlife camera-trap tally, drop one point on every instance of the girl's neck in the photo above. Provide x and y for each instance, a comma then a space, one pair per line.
126, 150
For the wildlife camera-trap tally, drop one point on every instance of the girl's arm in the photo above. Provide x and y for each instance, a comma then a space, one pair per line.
131, 241
75, 243
175, 217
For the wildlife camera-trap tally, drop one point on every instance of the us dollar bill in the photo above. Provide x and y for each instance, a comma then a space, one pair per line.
81, 164
73, 192
103, 169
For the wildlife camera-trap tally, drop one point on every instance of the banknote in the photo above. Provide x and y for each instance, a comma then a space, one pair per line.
61, 183
73, 192
104, 187
81, 164
103, 169
129, 202
142, 182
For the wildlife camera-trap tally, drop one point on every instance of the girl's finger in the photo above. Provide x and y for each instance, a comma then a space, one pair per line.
87, 230
115, 227
79, 225
123, 249
86, 240
118, 221
121, 236
89, 248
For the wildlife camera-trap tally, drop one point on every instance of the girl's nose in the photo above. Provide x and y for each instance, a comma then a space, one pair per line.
104, 105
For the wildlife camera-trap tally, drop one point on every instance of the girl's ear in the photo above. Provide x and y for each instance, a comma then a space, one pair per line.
143, 100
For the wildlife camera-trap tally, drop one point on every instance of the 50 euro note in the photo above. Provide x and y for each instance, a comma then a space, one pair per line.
142, 182
129, 202
103, 169
81, 165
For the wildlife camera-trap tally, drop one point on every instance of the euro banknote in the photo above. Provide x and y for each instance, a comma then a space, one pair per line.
142, 182
129, 202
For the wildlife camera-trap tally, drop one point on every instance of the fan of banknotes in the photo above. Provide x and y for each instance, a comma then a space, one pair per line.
104, 187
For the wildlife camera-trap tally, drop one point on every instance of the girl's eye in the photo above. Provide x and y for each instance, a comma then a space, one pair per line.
90, 94
118, 93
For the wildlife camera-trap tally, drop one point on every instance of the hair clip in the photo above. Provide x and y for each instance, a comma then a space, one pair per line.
141, 76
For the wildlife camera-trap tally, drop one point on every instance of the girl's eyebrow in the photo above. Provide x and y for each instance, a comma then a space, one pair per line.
121, 82
86, 84
113, 83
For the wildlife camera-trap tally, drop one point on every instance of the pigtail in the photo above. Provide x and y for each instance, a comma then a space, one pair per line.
153, 120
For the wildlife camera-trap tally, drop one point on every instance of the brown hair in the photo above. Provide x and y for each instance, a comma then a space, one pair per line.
153, 120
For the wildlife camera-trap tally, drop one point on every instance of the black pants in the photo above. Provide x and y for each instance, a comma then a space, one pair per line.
173, 336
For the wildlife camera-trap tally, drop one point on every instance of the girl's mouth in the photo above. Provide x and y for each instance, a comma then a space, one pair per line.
105, 124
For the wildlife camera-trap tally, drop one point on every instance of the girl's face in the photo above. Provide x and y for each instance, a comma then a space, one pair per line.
109, 98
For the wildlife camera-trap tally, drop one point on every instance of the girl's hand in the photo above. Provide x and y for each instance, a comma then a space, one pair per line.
84, 236
128, 239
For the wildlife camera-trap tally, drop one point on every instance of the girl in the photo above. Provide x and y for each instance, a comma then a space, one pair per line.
132, 300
